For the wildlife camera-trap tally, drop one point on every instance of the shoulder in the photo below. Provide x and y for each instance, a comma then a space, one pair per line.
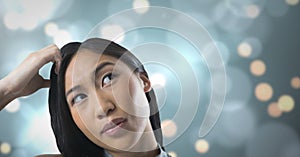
49, 155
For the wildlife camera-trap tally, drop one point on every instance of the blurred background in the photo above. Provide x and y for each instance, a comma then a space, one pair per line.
258, 40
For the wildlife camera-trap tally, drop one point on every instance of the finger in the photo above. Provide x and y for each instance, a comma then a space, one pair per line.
46, 83
57, 59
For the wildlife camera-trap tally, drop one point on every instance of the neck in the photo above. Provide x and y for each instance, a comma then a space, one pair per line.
146, 142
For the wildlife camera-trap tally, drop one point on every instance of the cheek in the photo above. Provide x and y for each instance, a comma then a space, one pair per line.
138, 98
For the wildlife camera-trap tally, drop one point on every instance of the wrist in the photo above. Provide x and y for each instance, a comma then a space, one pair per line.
6, 89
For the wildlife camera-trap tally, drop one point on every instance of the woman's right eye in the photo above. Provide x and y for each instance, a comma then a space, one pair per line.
78, 98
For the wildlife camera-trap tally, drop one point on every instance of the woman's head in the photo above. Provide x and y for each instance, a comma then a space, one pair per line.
101, 97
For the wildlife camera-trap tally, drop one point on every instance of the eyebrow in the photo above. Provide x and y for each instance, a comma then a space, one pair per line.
97, 70
100, 67
72, 90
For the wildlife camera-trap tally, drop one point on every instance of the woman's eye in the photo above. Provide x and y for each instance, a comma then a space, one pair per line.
78, 98
107, 79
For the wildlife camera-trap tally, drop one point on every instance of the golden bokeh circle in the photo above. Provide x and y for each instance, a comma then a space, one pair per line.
295, 82
202, 146
274, 110
169, 128
263, 92
5, 148
292, 2
258, 68
286, 103
244, 49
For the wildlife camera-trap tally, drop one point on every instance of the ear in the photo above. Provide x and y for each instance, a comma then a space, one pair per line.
146, 82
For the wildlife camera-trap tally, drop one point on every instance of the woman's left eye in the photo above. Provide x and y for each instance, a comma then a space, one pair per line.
107, 79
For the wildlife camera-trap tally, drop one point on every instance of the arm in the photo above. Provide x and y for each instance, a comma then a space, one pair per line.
25, 79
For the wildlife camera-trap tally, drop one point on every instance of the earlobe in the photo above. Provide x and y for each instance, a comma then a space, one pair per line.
146, 83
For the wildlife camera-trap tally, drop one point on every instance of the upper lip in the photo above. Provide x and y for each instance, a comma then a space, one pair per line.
113, 123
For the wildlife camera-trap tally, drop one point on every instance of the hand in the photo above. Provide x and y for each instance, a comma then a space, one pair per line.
25, 79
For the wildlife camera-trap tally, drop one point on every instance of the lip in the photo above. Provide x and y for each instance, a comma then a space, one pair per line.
113, 127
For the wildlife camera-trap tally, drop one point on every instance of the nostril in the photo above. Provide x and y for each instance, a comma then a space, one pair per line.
101, 116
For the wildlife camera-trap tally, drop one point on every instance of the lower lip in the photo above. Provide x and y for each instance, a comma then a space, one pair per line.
116, 130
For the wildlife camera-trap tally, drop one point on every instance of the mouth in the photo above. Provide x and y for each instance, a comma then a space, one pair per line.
113, 127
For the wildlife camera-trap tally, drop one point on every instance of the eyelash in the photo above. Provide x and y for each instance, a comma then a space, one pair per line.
73, 100
111, 75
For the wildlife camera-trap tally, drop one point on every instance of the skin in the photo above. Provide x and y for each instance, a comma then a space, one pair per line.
101, 98
25, 79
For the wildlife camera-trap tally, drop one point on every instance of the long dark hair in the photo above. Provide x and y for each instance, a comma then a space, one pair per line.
69, 138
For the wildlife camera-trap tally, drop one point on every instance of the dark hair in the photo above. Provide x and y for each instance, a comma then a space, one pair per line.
69, 138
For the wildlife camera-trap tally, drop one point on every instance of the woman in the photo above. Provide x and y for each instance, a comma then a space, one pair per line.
101, 103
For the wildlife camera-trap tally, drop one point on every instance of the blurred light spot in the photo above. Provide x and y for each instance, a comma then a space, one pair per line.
113, 32
62, 37
158, 79
13, 106
286, 103
40, 133
31, 20
12, 20
292, 2
169, 128
202, 146
29, 13
252, 11
263, 92
172, 154
295, 82
51, 29
244, 49
274, 110
5, 148
257, 68
228, 15
141, 6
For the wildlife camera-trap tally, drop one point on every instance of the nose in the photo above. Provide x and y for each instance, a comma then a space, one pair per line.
104, 106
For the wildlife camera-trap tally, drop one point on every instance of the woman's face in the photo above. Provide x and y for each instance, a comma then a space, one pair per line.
107, 100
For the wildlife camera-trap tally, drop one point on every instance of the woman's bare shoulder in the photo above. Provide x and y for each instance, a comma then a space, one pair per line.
49, 155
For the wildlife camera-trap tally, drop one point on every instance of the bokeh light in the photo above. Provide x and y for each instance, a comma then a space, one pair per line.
5, 148
169, 128
202, 146
295, 82
51, 29
286, 103
113, 32
62, 37
263, 91
244, 49
292, 2
252, 11
257, 67
274, 110
10, 20
141, 6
